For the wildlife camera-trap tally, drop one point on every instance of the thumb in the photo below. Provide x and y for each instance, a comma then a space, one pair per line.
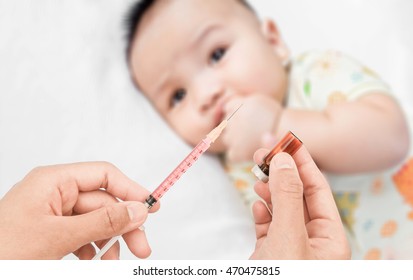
286, 190
106, 222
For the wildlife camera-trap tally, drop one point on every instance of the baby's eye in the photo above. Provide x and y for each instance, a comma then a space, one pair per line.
177, 97
216, 55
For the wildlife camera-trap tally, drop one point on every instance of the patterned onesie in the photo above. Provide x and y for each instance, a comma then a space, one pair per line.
376, 208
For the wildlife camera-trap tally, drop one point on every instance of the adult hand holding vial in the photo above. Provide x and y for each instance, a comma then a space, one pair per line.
305, 223
57, 210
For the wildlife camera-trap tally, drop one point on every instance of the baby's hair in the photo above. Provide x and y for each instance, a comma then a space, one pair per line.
138, 10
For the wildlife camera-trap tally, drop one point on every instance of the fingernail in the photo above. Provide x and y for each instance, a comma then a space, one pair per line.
137, 212
283, 161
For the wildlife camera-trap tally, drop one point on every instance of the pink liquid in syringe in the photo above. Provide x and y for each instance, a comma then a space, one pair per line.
178, 171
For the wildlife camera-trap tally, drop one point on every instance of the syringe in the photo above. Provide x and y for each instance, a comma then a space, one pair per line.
188, 161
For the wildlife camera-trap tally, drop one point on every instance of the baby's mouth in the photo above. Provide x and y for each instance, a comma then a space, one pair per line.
219, 116
220, 112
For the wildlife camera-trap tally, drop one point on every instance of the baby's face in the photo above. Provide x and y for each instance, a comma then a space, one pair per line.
191, 57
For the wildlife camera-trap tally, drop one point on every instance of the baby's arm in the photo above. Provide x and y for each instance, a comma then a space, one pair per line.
258, 116
363, 135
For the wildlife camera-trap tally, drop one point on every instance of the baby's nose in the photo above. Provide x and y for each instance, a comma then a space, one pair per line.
211, 96
208, 89
210, 99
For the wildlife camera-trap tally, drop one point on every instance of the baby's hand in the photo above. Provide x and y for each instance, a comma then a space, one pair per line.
258, 116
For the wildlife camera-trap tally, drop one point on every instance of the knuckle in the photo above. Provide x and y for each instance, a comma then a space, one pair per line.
39, 170
39, 173
108, 170
108, 166
114, 222
110, 225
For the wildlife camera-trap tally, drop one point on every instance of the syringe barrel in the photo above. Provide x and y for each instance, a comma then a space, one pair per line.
188, 161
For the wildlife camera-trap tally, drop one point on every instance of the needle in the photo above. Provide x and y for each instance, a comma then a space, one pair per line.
202, 146
234, 112
216, 132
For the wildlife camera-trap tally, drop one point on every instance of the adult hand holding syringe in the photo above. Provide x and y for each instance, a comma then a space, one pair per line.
170, 180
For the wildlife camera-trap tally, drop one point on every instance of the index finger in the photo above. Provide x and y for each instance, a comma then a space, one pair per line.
90, 176
259, 155
317, 192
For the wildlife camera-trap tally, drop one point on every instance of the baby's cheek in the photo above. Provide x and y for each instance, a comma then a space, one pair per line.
190, 135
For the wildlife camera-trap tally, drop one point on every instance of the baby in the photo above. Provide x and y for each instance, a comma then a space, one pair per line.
198, 60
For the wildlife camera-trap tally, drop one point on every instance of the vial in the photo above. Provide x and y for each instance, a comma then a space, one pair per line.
288, 144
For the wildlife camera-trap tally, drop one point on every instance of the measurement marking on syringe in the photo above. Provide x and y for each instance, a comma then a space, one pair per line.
172, 178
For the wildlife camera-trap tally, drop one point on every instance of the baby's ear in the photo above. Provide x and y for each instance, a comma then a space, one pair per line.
274, 38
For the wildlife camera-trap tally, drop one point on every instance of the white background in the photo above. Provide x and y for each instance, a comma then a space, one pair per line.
65, 96
320, 270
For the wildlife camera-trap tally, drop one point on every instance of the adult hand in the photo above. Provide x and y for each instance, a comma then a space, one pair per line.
305, 223
60, 209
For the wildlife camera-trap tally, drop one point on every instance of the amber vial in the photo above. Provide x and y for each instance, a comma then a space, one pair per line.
289, 144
